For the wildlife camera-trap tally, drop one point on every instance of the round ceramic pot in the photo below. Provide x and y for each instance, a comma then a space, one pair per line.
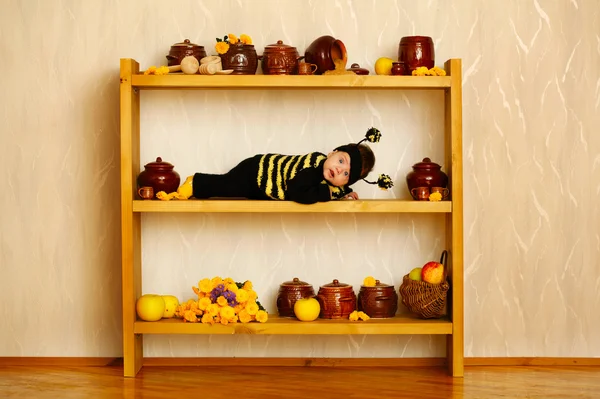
160, 176
416, 51
337, 300
358, 70
280, 59
181, 50
324, 52
426, 174
289, 293
380, 301
241, 58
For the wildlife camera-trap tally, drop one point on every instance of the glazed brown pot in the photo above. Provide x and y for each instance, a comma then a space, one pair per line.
160, 176
416, 51
324, 51
380, 301
181, 50
280, 59
337, 300
358, 70
426, 174
289, 293
241, 58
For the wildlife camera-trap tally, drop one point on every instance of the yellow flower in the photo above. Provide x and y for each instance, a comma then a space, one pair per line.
247, 285
222, 47
232, 287
262, 316
369, 282
213, 309
252, 295
244, 316
190, 316
205, 285
204, 303
435, 197
232, 38
420, 71
216, 281
353, 316
241, 295
437, 71
363, 316
150, 71
224, 321
163, 70
228, 280
227, 313
251, 308
222, 301
234, 319
207, 319
245, 39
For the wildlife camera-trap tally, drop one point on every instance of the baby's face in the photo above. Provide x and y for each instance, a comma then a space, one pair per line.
336, 169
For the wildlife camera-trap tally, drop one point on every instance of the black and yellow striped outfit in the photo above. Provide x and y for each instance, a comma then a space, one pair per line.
272, 176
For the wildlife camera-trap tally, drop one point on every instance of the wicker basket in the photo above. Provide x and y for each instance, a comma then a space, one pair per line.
425, 299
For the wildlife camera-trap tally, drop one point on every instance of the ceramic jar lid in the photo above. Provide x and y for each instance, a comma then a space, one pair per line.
159, 164
426, 164
186, 44
358, 70
295, 283
377, 285
279, 47
335, 285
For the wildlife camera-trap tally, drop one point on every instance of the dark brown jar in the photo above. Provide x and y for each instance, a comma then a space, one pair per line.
337, 300
241, 58
358, 70
326, 52
416, 51
380, 301
399, 69
426, 174
181, 50
280, 59
160, 176
289, 293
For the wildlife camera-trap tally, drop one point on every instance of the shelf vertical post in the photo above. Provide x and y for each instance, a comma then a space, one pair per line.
454, 221
130, 221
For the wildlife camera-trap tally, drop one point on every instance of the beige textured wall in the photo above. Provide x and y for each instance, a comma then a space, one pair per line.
531, 151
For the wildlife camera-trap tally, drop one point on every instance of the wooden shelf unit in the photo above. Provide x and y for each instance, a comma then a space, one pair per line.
133, 330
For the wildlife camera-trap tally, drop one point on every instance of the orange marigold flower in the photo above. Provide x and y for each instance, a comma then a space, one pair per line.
369, 282
207, 319
222, 301
435, 197
363, 316
216, 281
232, 38
222, 47
245, 39
241, 295
251, 308
205, 285
204, 303
227, 313
262, 316
245, 317
224, 321
232, 287
247, 285
213, 309
353, 316
190, 316
229, 280
252, 296
150, 71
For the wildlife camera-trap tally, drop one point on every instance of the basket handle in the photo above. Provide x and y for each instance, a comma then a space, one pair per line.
444, 261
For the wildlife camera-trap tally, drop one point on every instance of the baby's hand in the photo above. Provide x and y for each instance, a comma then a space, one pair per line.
351, 196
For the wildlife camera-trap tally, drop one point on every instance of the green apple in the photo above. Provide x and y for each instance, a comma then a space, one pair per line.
171, 303
415, 274
150, 307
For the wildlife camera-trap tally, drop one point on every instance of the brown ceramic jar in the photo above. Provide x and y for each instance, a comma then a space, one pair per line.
289, 293
324, 52
337, 300
241, 58
160, 176
181, 50
416, 51
358, 70
380, 301
280, 59
426, 174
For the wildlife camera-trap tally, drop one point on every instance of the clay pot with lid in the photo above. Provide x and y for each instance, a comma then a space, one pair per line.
324, 52
358, 70
380, 301
337, 300
426, 174
181, 50
159, 175
241, 58
280, 59
289, 293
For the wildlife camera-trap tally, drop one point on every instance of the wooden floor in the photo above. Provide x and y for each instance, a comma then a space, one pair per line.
298, 382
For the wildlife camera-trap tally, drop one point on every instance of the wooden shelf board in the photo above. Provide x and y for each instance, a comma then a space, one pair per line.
255, 206
181, 81
287, 326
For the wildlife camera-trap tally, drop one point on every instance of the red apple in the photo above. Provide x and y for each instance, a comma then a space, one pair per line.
433, 272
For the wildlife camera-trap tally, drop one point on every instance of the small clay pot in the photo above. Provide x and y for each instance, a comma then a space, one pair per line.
280, 59
160, 176
241, 58
399, 69
337, 300
181, 50
426, 174
358, 70
380, 301
289, 293
416, 51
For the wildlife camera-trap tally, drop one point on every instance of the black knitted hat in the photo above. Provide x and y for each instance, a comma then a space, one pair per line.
373, 135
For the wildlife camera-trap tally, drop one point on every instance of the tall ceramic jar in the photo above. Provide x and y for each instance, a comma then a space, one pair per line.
159, 175
416, 51
426, 174
240, 57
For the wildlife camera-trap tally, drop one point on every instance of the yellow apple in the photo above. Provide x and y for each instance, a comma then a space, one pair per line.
307, 309
433, 272
383, 66
150, 307
171, 303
